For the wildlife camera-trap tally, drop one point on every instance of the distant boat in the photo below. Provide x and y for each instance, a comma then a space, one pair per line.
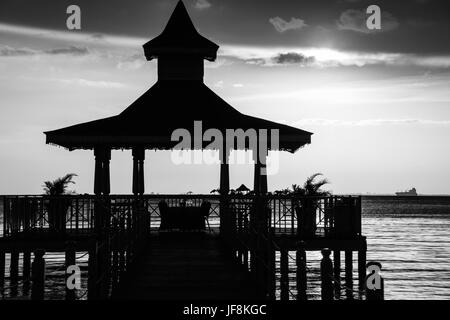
411, 192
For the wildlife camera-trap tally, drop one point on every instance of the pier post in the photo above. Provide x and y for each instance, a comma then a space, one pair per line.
246, 266
14, 271
2, 269
284, 277
93, 273
26, 272
362, 268
301, 271
271, 285
38, 275
70, 260
349, 273
326, 269
224, 190
115, 259
337, 273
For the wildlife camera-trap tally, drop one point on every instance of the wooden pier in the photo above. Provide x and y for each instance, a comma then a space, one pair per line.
253, 247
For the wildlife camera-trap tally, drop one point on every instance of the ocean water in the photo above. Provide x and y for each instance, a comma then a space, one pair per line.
410, 237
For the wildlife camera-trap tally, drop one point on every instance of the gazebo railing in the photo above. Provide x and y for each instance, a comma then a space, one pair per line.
306, 216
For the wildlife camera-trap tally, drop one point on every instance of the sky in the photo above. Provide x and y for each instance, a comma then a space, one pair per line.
378, 102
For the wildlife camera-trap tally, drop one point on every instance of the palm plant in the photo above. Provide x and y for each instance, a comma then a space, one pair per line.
59, 186
56, 207
306, 213
311, 187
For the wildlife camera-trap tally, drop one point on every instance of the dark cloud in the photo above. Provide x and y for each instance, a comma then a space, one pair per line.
7, 51
71, 50
355, 20
293, 58
423, 25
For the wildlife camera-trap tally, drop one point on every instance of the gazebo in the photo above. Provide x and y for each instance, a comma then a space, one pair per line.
177, 100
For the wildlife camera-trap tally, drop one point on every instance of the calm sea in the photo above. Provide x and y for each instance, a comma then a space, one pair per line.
410, 237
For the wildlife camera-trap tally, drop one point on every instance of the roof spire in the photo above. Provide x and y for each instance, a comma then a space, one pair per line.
180, 38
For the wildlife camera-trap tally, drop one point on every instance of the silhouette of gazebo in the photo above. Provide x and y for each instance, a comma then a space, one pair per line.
176, 100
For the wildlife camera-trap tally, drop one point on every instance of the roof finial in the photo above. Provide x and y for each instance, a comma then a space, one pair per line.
180, 37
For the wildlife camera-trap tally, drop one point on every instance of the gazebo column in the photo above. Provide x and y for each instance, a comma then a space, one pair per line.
101, 183
138, 171
260, 178
101, 211
102, 179
259, 222
224, 189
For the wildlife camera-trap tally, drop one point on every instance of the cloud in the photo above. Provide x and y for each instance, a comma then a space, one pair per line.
282, 25
7, 51
72, 50
293, 58
370, 122
91, 83
133, 62
328, 58
202, 4
73, 37
355, 20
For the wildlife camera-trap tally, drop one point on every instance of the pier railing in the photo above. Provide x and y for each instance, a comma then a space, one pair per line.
254, 229
334, 216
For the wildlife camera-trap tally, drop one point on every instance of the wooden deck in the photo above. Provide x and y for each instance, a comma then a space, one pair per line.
186, 266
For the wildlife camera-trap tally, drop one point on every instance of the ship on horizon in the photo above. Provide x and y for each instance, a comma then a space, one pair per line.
411, 192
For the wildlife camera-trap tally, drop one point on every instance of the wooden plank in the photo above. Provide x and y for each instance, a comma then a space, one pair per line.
188, 266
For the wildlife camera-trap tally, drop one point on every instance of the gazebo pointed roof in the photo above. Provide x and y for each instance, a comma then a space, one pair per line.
180, 36
171, 104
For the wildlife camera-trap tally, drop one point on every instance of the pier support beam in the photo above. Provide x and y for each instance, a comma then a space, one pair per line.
70, 260
337, 273
349, 273
362, 268
326, 271
14, 271
284, 277
93, 291
26, 272
38, 275
301, 271
2, 269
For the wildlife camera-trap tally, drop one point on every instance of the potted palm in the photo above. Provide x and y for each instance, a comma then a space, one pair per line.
309, 195
57, 206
